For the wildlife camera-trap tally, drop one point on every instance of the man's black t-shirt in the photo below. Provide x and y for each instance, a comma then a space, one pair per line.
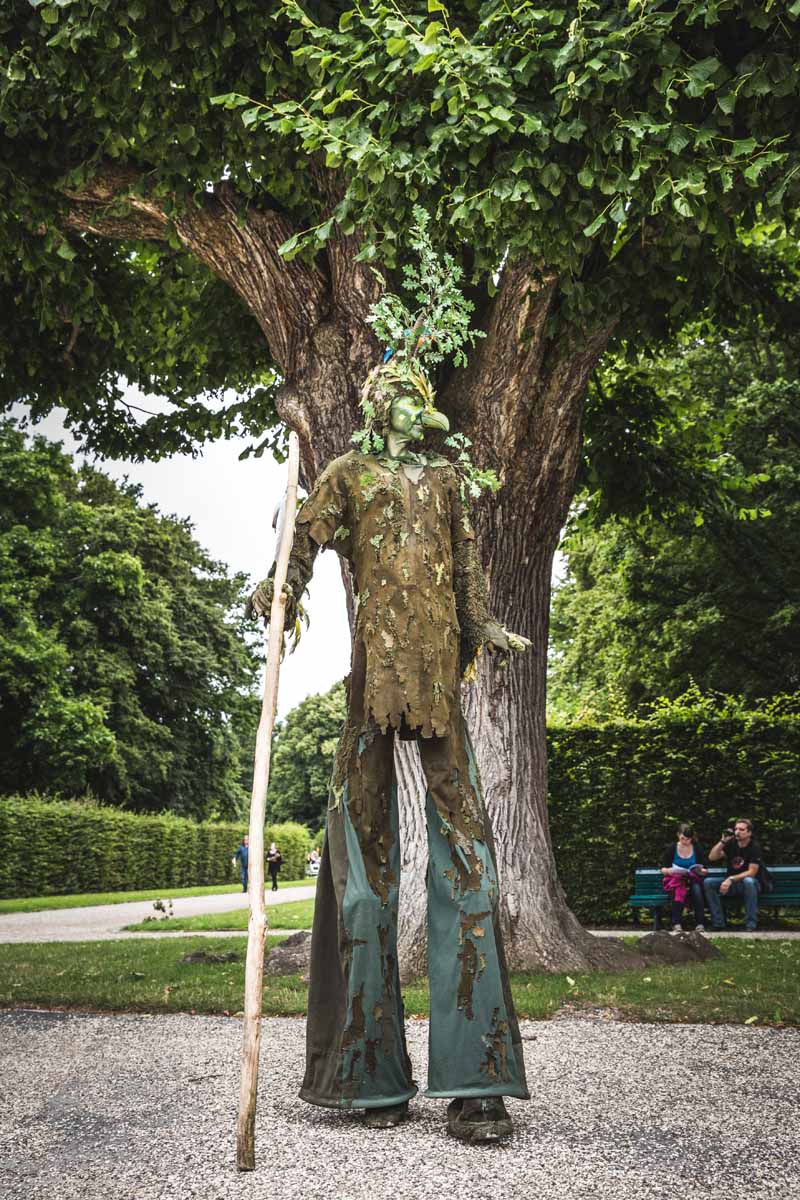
738, 858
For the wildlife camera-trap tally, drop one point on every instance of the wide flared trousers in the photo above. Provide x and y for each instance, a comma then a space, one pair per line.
356, 1048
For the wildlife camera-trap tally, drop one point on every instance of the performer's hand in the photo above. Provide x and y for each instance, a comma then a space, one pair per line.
260, 603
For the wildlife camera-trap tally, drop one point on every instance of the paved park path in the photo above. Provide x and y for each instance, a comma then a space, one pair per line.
144, 1107
104, 921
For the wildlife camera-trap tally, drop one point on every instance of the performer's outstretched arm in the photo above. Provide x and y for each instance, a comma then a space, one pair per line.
320, 522
478, 626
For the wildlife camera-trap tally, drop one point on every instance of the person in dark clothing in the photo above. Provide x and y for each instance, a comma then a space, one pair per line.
274, 861
742, 855
241, 856
683, 865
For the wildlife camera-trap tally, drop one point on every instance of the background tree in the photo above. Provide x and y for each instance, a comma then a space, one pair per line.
122, 662
302, 759
590, 163
682, 561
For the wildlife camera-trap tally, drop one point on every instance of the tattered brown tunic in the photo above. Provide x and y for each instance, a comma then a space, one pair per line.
397, 524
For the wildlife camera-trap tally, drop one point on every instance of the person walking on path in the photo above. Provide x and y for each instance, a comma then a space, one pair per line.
274, 861
241, 857
742, 855
683, 865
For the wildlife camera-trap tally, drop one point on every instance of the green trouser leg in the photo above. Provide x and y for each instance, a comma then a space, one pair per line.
355, 1035
356, 1051
474, 1043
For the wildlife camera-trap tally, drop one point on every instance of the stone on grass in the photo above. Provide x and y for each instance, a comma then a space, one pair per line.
673, 949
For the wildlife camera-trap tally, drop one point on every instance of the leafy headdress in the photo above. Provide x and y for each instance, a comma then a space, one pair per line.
419, 337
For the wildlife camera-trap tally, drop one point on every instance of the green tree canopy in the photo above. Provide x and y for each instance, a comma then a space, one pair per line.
122, 663
598, 143
302, 759
703, 584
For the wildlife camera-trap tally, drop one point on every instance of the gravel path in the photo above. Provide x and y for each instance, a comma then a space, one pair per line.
144, 1108
94, 924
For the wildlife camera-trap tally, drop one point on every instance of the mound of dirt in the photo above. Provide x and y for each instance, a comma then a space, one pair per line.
209, 956
672, 949
291, 957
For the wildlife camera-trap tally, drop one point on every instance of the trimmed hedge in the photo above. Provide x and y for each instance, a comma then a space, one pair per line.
617, 792
58, 847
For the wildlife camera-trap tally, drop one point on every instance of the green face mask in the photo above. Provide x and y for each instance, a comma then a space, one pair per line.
410, 419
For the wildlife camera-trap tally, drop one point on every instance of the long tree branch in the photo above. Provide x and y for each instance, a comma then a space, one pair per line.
238, 243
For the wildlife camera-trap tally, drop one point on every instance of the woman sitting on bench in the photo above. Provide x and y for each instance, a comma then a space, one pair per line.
683, 865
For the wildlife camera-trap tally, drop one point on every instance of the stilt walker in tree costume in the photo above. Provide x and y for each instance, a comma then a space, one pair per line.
396, 513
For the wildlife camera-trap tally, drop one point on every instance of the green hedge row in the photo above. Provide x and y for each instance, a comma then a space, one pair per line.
53, 847
617, 791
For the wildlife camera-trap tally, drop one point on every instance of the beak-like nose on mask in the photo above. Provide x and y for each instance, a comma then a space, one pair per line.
433, 419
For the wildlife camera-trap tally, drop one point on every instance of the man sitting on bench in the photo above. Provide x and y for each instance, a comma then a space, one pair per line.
742, 855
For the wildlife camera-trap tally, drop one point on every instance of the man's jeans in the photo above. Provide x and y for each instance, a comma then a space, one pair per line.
748, 888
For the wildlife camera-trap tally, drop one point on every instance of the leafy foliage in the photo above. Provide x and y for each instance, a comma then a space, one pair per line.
54, 847
582, 131
621, 148
302, 759
59, 847
682, 563
123, 668
439, 327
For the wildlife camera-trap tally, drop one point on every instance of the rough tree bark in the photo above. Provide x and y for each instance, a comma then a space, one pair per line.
521, 401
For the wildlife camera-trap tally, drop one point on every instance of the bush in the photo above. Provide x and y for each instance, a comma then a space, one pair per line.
57, 847
617, 792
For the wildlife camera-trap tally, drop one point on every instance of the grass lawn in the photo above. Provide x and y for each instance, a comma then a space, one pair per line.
753, 982
89, 899
138, 976
296, 914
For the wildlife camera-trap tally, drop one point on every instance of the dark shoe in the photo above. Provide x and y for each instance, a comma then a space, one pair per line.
484, 1120
387, 1117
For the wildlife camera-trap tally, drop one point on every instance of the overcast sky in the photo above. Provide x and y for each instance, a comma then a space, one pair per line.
230, 504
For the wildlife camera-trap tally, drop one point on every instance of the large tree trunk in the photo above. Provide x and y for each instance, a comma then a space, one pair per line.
533, 438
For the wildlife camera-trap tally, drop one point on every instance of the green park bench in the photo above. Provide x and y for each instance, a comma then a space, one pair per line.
648, 893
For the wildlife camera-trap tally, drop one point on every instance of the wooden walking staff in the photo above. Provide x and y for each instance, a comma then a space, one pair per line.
257, 928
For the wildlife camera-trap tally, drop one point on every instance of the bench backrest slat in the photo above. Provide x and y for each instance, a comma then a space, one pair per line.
785, 880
